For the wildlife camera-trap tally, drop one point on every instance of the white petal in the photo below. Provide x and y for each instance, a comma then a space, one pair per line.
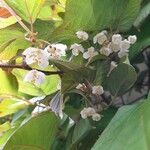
125, 44
122, 53
97, 90
96, 117
29, 50
60, 46
34, 76
132, 39
75, 52
82, 35
86, 55
116, 38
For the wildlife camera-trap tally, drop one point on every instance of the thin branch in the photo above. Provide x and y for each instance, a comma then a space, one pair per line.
26, 67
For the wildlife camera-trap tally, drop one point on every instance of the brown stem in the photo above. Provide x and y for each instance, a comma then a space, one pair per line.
26, 67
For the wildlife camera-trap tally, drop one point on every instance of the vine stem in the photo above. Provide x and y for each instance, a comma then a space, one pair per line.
17, 17
26, 67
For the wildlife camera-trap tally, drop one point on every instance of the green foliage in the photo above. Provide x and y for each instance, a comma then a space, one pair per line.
96, 15
143, 40
144, 13
130, 124
10, 105
28, 9
81, 130
10, 84
55, 21
125, 76
5, 22
30, 136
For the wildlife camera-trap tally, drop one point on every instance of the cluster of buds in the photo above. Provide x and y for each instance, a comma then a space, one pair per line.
108, 45
90, 112
96, 90
41, 57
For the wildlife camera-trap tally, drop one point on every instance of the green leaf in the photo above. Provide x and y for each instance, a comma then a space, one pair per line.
10, 105
36, 134
96, 15
121, 79
144, 13
10, 33
128, 130
82, 128
27, 9
12, 49
5, 136
4, 127
5, 22
44, 29
143, 40
11, 40
9, 85
102, 70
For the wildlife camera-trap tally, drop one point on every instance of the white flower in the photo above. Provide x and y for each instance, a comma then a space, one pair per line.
35, 77
98, 90
105, 51
115, 47
90, 53
56, 51
132, 39
76, 48
82, 35
96, 117
123, 53
100, 38
81, 87
35, 55
87, 112
116, 38
125, 45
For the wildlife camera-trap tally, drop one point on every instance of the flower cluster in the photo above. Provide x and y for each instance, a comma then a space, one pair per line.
41, 57
96, 90
108, 44
90, 112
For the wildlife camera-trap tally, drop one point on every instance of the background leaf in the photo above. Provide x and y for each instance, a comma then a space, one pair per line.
128, 130
37, 134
